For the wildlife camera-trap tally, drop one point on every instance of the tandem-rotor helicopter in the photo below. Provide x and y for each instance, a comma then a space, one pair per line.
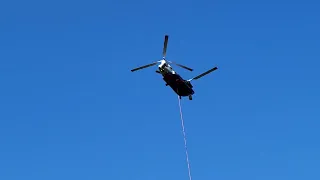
179, 85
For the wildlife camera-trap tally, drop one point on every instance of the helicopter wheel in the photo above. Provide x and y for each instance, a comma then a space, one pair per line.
190, 97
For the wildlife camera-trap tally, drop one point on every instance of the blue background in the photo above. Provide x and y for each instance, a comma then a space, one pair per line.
71, 109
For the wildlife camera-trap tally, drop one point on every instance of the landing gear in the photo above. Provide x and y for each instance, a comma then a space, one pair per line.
190, 97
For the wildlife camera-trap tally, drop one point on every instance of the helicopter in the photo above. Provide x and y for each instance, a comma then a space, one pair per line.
179, 85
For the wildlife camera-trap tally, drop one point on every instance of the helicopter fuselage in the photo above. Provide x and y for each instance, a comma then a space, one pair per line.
180, 86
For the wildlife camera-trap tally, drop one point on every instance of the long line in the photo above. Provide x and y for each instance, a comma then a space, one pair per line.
185, 139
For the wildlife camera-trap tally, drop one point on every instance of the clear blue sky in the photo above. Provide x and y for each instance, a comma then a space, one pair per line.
71, 109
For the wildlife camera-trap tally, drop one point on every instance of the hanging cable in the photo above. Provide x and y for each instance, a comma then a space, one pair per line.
185, 139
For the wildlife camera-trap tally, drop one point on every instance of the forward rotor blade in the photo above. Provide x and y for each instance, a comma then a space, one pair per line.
165, 44
185, 67
205, 73
145, 66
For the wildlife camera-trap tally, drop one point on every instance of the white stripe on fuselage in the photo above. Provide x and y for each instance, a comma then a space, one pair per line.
165, 68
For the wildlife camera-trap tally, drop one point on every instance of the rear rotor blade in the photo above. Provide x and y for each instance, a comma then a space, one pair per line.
145, 66
164, 52
205, 73
185, 67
